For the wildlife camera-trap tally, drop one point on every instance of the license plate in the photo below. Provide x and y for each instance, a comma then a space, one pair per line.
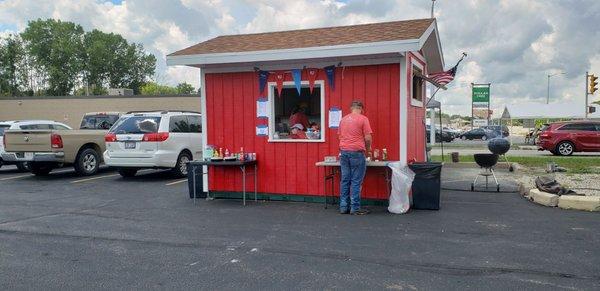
130, 144
29, 156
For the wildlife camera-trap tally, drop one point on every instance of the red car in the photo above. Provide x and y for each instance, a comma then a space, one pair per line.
565, 138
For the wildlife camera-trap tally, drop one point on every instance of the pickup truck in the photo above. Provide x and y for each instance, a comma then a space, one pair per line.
47, 149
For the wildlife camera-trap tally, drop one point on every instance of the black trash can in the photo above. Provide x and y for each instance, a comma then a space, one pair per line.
194, 169
426, 185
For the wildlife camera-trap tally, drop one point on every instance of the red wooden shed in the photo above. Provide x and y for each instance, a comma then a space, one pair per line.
381, 64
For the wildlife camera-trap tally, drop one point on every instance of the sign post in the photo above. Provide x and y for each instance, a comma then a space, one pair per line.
480, 104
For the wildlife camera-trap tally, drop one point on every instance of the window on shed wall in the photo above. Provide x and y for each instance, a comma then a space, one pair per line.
417, 85
292, 109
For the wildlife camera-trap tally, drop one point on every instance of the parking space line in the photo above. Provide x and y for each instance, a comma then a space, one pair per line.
176, 182
16, 177
94, 178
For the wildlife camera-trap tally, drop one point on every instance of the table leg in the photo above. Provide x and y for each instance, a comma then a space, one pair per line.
333, 186
325, 187
388, 180
255, 181
194, 183
244, 183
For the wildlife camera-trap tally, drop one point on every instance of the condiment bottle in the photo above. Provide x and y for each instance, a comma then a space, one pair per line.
241, 153
376, 155
220, 152
384, 155
227, 152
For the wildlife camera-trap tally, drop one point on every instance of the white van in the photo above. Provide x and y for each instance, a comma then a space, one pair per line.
158, 139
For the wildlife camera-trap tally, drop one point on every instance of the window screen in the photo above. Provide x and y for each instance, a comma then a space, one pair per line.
293, 109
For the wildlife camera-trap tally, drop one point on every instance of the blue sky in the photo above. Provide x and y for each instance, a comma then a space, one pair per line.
512, 44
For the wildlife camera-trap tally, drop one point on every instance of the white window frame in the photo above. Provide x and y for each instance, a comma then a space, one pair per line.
272, 86
413, 101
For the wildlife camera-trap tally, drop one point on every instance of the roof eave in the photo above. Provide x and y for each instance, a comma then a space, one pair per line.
435, 56
358, 49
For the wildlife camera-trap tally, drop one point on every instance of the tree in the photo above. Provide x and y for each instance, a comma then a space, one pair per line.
152, 88
185, 88
57, 48
11, 58
59, 58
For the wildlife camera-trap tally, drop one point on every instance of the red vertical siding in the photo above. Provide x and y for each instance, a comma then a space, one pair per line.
289, 168
416, 115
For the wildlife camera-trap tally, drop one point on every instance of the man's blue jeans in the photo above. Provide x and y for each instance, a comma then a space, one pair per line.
353, 166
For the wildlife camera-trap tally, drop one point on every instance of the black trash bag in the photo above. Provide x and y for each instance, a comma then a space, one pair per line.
550, 185
426, 185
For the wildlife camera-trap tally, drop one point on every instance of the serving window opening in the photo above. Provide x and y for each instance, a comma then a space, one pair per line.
296, 117
417, 85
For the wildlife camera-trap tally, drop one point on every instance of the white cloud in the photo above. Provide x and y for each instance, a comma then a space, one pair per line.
513, 44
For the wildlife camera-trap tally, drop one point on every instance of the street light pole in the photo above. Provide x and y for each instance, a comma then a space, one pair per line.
548, 89
432, 6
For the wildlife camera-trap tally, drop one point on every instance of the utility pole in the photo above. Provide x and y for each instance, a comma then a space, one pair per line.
586, 93
432, 6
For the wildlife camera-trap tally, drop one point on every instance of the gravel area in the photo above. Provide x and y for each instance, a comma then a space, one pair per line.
588, 184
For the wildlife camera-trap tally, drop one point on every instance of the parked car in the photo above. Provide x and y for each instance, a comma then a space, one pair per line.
498, 129
99, 120
444, 135
49, 147
161, 139
477, 133
23, 124
565, 138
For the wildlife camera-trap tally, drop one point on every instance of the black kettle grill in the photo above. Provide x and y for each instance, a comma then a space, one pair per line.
500, 146
487, 163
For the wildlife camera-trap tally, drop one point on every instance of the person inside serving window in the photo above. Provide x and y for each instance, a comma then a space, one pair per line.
299, 116
297, 131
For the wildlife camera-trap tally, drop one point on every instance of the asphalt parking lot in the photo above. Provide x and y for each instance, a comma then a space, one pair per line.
105, 232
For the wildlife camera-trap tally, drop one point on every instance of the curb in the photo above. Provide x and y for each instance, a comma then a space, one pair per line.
462, 165
585, 203
543, 198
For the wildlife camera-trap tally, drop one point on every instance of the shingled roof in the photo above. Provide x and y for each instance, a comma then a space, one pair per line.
317, 37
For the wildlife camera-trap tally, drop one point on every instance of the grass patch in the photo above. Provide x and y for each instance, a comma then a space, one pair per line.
576, 165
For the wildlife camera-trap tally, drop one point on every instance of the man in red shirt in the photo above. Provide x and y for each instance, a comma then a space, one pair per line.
355, 139
299, 116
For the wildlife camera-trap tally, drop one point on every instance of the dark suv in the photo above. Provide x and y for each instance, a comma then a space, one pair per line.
498, 129
565, 138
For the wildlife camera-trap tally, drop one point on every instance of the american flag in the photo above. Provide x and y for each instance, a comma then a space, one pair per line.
445, 77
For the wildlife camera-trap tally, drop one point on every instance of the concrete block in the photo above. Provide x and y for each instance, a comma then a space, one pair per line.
588, 203
543, 198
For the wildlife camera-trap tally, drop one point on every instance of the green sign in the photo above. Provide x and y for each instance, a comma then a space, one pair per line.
481, 94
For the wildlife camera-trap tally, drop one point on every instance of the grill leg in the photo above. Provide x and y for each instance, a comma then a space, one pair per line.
494, 175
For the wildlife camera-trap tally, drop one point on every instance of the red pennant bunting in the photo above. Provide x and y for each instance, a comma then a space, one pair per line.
279, 77
312, 76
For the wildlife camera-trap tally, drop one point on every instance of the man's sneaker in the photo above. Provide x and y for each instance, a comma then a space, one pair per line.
360, 212
344, 211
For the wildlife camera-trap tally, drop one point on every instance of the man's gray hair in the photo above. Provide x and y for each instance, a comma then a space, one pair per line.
357, 104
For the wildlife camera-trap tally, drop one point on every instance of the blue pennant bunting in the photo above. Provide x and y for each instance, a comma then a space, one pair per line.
297, 76
263, 76
330, 72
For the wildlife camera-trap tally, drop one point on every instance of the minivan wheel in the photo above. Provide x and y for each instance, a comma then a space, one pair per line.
484, 138
127, 172
180, 169
565, 148
87, 162
40, 169
463, 137
23, 167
